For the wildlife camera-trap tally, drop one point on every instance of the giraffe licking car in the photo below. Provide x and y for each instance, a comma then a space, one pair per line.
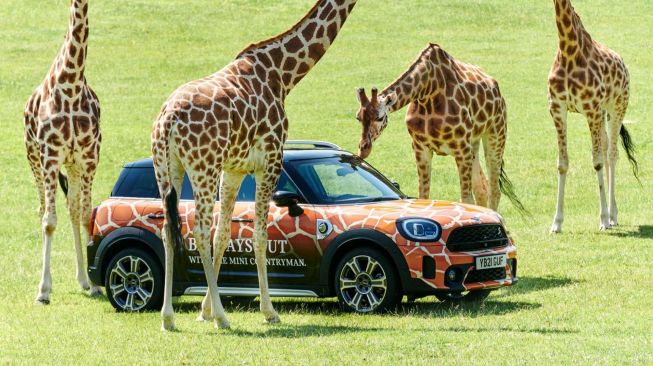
453, 107
233, 123
588, 78
62, 130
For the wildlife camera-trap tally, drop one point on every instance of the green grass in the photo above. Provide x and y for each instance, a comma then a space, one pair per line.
585, 296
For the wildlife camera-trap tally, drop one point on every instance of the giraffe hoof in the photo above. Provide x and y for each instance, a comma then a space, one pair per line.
555, 229
203, 318
222, 323
273, 319
168, 325
42, 302
95, 292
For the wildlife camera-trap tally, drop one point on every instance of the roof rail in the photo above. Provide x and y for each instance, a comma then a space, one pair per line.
300, 144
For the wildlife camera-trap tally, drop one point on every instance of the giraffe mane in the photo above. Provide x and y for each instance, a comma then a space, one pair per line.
411, 68
280, 36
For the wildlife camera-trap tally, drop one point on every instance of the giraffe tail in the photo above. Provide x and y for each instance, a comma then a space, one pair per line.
508, 189
173, 226
629, 147
161, 158
63, 183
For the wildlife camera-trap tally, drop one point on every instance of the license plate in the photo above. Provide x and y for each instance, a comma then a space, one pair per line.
492, 261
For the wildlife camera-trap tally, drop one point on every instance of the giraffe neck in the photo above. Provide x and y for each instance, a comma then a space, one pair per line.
420, 80
295, 52
68, 69
571, 33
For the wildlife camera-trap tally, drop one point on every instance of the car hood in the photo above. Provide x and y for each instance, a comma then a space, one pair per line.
382, 216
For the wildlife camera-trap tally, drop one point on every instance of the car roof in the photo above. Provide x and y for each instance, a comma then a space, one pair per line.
293, 150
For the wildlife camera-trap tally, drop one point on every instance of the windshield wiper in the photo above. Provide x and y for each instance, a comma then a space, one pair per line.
379, 199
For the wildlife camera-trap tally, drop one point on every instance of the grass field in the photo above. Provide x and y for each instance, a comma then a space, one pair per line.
585, 296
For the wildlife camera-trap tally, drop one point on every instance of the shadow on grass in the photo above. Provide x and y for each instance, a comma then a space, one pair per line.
642, 232
427, 307
303, 330
511, 329
528, 284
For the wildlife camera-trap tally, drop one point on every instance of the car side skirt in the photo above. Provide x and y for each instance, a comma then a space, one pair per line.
250, 291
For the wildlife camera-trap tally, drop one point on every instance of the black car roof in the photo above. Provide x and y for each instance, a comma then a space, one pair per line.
291, 152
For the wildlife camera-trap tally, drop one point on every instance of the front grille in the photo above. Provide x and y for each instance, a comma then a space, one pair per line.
475, 237
491, 274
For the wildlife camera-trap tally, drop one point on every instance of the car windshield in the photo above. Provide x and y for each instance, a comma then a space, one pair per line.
340, 180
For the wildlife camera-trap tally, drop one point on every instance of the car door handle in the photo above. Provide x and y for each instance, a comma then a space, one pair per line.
156, 216
241, 220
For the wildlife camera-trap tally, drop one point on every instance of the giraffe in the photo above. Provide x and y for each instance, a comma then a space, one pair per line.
453, 107
588, 78
227, 125
62, 130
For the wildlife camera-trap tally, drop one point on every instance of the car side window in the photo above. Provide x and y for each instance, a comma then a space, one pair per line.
138, 183
247, 191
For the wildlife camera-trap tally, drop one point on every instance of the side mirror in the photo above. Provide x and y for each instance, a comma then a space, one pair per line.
290, 200
396, 185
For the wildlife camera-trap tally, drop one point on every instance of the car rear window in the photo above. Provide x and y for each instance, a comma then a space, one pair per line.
140, 182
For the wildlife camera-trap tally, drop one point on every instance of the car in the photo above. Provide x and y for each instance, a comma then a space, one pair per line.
337, 227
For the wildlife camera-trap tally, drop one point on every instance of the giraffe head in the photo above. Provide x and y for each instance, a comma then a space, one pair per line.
373, 116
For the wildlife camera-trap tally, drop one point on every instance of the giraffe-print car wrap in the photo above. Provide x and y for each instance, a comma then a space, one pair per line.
116, 213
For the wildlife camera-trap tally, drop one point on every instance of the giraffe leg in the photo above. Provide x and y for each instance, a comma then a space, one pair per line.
265, 185
230, 184
86, 210
204, 205
464, 163
613, 126
559, 114
73, 200
479, 182
175, 180
35, 165
597, 131
493, 147
423, 158
49, 225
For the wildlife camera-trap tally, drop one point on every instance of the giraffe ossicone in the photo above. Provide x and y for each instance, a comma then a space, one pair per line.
229, 124
62, 130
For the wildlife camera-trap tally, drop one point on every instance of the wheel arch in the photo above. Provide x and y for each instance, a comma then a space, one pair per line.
127, 237
355, 239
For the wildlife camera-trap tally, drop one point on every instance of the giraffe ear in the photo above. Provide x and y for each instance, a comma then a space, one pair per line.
391, 99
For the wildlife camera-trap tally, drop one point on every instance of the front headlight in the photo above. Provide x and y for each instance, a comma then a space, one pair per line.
419, 229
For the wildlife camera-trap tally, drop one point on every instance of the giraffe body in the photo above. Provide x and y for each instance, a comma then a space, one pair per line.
62, 130
588, 78
227, 125
453, 107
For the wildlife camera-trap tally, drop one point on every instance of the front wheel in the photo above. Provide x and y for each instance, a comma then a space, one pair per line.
366, 281
134, 281
459, 297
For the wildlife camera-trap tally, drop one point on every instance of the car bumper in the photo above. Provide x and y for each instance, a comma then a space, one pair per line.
429, 266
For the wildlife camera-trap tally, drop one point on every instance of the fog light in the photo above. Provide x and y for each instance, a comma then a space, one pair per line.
452, 274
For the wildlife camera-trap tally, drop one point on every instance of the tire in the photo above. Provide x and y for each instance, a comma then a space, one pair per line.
460, 297
134, 281
366, 282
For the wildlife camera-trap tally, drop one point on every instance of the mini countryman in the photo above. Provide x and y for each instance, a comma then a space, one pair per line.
337, 227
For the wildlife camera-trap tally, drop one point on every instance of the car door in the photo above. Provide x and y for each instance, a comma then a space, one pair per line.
293, 254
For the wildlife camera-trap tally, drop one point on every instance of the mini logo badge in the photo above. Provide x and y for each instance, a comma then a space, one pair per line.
324, 228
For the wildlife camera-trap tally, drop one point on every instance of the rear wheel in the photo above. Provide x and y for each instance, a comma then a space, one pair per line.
134, 281
366, 281
468, 296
